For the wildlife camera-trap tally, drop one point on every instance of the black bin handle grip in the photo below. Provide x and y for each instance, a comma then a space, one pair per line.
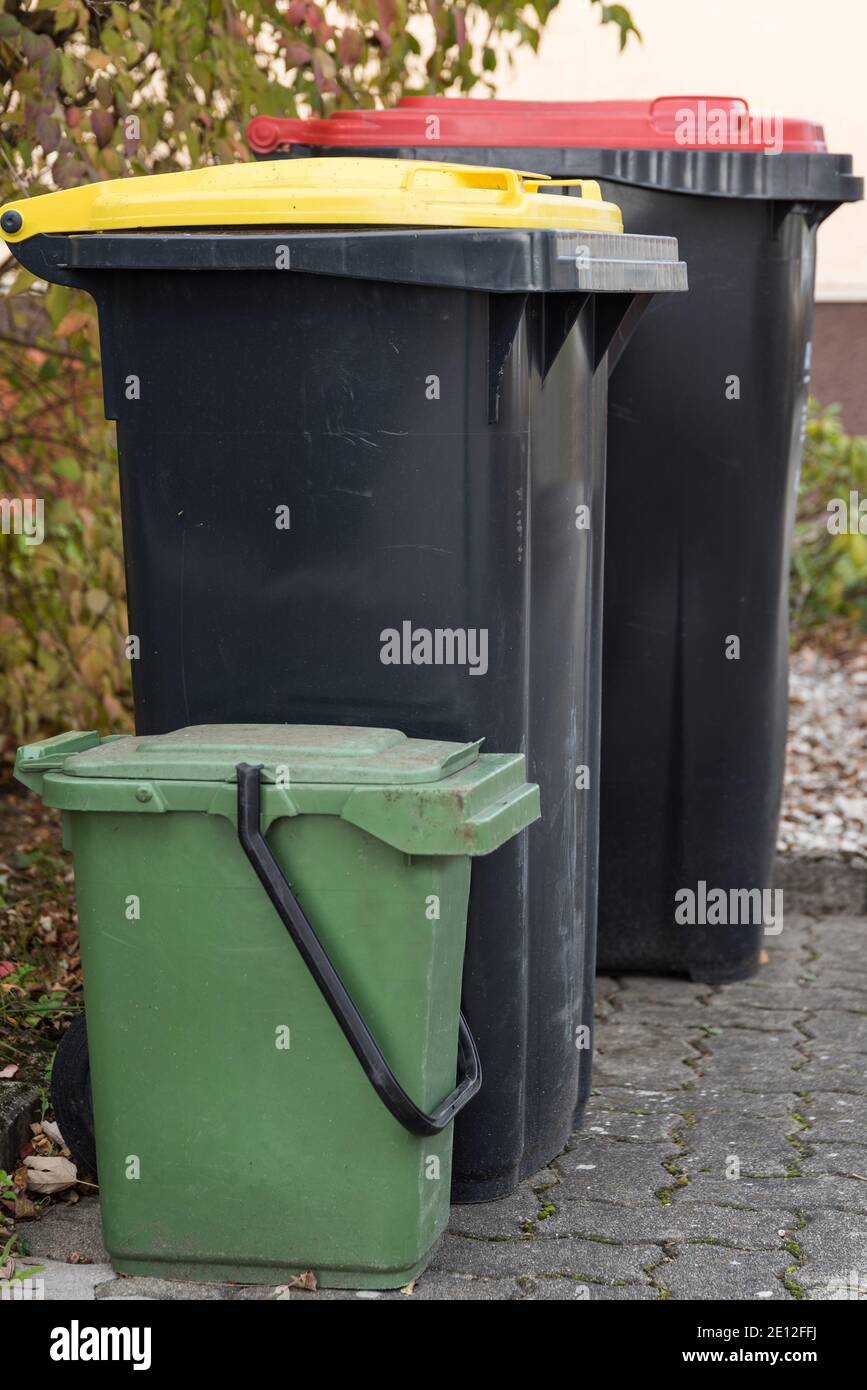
338, 998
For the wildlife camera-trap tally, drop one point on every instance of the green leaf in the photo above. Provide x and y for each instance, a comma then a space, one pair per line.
72, 75
23, 280
68, 468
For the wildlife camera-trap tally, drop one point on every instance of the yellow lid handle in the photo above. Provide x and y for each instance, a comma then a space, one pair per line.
589, 187
508, 181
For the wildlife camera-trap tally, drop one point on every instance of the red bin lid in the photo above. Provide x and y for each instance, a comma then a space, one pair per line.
666, 123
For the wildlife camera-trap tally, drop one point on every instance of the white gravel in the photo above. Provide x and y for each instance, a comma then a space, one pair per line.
825, 795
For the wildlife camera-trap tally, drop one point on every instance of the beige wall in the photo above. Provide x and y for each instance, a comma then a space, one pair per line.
796, 57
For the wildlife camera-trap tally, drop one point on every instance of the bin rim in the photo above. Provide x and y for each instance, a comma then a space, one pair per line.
499, 261
726, 174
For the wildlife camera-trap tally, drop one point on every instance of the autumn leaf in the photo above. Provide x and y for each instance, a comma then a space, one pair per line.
49, 1175
73, 322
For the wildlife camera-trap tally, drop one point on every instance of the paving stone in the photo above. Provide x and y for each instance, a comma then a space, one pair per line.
833, 1158
620, 1124
760, 1145
841, 1032
65, 1230
144, 1286
749, 1000
742, 1051
56, 1281
680, 1023
706, 1272
836, 1119
118, 1298
430, 1287
835, 931
539, 1255
503, 1218
849, 982
780, 1105
831, 1105
730, 1019
614, 1171
760, 1079
787, 969
789, 1194
819, 884
567, 1290
647, 989
834, 1252
832, 1072
642, 1099
673, 1224
640, 1058
435, 1288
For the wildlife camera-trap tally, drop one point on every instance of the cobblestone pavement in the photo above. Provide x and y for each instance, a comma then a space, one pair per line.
691, 1080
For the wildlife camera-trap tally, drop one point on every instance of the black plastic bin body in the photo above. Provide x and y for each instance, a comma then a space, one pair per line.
702, 483
423, 415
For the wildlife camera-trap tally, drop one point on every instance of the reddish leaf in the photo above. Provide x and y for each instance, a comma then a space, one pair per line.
297, 54
72, 322
387, 12
102, 123
350, 47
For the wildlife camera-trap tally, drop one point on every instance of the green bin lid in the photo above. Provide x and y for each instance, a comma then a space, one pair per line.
301, 752
420, 795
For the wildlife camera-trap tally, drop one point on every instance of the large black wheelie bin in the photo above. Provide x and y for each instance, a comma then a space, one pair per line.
706, 425
360, 412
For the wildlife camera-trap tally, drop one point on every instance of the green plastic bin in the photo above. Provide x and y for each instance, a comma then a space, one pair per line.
238, 1136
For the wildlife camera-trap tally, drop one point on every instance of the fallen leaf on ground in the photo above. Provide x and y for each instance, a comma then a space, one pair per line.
50, 1174
409, 1289
307, 1281
51, 1128
8, 1072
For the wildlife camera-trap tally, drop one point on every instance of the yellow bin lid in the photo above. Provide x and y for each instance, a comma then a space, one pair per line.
353, 192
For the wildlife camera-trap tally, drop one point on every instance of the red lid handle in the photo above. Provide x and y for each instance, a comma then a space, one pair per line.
663, 110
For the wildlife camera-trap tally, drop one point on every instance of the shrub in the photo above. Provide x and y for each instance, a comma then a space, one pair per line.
829, 571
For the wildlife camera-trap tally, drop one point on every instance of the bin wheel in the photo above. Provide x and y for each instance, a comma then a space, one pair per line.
72, 1098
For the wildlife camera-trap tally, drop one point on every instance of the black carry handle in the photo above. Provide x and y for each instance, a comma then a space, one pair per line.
315, 957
